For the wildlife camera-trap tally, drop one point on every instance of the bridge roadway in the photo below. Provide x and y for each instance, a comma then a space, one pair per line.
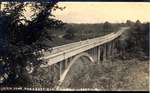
60, 53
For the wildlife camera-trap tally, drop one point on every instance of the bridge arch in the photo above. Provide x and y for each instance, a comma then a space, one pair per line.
63, 75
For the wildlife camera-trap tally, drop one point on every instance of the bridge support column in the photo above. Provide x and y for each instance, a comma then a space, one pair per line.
98, 54
112, 49
56, 72
53, 70
92, 53
116, 52
60, 69
104, 52
109, 51
66, 63
95, 53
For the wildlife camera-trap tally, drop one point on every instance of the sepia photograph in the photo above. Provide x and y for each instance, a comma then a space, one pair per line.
74, 46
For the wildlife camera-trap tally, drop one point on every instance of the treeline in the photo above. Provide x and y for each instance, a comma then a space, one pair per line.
78, 32
136, 42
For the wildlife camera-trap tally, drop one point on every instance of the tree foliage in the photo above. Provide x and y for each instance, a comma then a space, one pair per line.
20, 39
107, 26
138, 39
70, 33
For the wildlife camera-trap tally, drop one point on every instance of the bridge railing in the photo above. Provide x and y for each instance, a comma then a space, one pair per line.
75, 44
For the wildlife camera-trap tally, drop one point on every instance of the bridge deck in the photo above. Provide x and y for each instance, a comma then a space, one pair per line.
60, 53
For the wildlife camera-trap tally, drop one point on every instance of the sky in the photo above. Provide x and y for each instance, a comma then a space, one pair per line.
99, 12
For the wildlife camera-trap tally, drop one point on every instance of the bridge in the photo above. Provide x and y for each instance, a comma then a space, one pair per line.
97, 50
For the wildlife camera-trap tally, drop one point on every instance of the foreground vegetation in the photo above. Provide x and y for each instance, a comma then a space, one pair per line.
113, 74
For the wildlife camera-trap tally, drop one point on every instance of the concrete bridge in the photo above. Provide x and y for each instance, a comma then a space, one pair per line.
96, 50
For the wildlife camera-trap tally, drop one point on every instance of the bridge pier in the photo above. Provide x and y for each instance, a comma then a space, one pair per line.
109, 50
113, 49
101, 54
98, 54
93, 54
105, 52
116, 49
66, 63
60, 69
56, 72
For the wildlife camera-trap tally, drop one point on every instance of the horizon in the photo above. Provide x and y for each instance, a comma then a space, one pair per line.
109, 22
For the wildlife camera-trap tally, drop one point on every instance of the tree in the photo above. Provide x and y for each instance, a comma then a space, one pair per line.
107, 26
20, 38
138, 39
70, 34
129, 23
27, 33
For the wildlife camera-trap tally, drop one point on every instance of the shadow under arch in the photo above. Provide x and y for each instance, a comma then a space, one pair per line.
63, 75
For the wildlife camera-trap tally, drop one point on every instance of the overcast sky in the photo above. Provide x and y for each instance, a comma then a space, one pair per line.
97, 12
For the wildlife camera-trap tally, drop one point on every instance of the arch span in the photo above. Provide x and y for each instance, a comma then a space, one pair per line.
63, 75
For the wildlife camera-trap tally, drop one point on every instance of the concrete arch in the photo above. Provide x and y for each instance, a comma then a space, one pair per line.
63, 75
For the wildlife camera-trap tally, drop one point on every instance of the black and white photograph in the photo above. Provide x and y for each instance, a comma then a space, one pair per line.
74, 46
